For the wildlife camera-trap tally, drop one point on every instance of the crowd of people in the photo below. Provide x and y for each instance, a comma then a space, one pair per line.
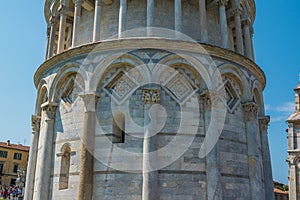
11, 193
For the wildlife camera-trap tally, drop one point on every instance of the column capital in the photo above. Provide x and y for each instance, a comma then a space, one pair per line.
50, 110
222, 2
77, 2
209, 97
150, 96
246, 22
53, 20
205, 98
90, 100
250, 110
264, 124
237, 11
48, 31
35, 123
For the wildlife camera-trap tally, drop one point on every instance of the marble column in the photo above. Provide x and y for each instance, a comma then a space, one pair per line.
53, 22
62, 29
223, 22
150, 175
77, 16
178, 17
247, 39
238, 30
47, 42
122, 18
203, 22
213, 175
97, 21
269, 188
30, 176
150, 17
254, 158
85, 187
44, 160
251, 41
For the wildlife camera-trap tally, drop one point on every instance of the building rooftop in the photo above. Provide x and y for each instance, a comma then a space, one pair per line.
14, 146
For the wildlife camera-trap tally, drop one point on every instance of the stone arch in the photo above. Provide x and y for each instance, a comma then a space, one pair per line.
185, 60
54, 8
258, 97
114, 61
42, 97
237, 75
62, 76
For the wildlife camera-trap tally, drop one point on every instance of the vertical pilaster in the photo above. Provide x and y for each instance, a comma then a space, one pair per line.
85, 187
122, 18
223, 22
178, 16
150, 175
254, 162
30, 176
292, 181
77, 16
247, 37
47, 42
203, 21
62, 28
291, 137
268, 177
52, 22
213, 175
97, 21
43, 166
150, 17
238, 30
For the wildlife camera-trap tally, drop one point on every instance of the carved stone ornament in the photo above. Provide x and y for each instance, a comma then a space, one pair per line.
50, 110
222, 2
77, 2
250, 110
90, 101
150, 96
205, 98
35, 123
264, 124
120, 87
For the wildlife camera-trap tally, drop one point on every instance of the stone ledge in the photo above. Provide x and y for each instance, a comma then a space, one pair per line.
155, 43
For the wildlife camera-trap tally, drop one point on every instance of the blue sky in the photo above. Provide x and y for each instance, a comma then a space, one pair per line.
22, 49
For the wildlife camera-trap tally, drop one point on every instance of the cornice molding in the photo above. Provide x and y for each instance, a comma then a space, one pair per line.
160, 43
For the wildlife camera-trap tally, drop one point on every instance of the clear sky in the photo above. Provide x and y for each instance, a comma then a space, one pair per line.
22, 49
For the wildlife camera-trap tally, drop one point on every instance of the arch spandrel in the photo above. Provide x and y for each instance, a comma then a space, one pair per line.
62, 75
239, 76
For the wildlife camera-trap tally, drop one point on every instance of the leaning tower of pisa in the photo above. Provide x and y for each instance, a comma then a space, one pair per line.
149, 99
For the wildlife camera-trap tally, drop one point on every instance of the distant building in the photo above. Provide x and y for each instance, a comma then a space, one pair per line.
12, 158
279, 191
294, 148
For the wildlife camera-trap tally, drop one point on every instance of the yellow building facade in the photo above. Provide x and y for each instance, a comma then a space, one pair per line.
12, 158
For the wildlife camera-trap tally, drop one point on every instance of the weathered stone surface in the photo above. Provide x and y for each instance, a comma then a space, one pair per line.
175, 72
